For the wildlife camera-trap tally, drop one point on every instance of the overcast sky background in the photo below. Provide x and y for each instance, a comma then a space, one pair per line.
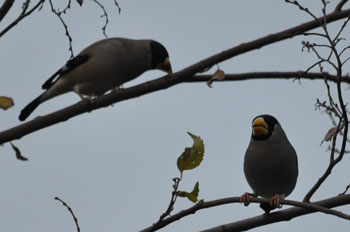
114, 166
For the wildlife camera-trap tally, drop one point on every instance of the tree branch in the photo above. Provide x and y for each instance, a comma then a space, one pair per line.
58, 13
21, 16
6, 6
340, 5
282, 215
343, 119
139, 90
270, 75
71, 212
301, 208
160, 83
105, 15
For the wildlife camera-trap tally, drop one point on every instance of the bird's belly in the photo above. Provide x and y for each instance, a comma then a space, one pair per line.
94, 89
268, 177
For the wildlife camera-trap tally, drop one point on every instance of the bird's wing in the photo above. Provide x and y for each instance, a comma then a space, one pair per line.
70, 65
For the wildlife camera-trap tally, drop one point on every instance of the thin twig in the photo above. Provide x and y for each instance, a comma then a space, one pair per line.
71, 211
346, 48
105, 15
314, 34
64, 11
25, 7
346, 60
172, 201
58, 14
20, 17
346, 189
119, 9
341, 29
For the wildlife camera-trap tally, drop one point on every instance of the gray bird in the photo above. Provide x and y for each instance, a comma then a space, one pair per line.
103, 66
270, 163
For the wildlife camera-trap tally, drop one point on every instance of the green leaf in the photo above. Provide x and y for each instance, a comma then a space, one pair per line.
192, 196
192, 156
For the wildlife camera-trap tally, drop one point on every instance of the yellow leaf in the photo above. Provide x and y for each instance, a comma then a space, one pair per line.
192, 156
6, 102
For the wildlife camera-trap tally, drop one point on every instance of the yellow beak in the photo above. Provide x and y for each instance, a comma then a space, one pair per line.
166, 67
260, 127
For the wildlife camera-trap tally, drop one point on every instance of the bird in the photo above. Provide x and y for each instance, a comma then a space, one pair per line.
104, 65
270, 163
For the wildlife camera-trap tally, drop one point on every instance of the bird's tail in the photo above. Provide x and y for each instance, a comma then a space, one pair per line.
267, 207
30, 108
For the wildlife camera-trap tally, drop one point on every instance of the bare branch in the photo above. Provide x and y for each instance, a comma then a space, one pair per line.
346, 48
346, 189
171, 204
341, 29
6, 6
269, 75
346, 60
314, 34
105, 15
301, 208
160, 83
138, 90
21, 16
340, 5
341, 112
318, 63
64, 11
307, 11
283, 215
58, 14
71, 211
119, 9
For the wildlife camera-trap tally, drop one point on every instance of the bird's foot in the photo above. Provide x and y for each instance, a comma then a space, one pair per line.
88, 99
245, 198
116, 89
275, 201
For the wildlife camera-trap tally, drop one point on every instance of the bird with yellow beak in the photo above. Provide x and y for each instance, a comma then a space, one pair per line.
103, 66
270, 163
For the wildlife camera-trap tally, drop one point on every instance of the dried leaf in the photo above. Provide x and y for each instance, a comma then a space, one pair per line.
331, 132
192, 156
80, 2
192, 196
218, 75
18, 153
6, 102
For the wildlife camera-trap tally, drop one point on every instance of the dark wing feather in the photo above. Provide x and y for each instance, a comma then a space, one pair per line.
70, 65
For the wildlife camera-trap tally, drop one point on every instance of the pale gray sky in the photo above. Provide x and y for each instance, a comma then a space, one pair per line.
114, 166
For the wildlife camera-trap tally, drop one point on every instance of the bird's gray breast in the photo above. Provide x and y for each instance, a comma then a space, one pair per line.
270, 166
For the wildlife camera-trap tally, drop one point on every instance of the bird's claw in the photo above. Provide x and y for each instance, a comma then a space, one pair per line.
245, 198
275, 201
